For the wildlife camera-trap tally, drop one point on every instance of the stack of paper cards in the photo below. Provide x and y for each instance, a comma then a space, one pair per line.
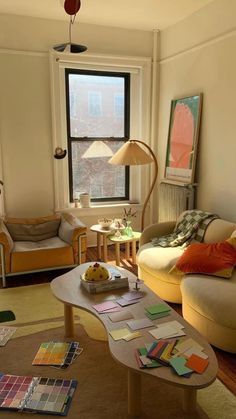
179, 366
107, 307
143, 361
162, 351
185, 367
188, 347
168, 330
157, 311
57, 354
6, 333
124, 333
129, 298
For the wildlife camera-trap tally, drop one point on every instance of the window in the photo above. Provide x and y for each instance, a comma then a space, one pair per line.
95, 104
98, 116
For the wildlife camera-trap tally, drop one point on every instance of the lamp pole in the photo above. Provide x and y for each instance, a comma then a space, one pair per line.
153, 181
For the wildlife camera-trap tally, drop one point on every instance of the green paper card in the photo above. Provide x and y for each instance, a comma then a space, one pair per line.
154, 363
179, 365
158, 308
157, 316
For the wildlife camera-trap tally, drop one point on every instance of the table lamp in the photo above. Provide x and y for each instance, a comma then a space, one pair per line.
132, 154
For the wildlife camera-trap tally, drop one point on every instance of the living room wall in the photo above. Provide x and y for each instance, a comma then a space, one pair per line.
25, 108
198, 55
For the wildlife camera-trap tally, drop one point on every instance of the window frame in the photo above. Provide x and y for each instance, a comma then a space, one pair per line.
70, 139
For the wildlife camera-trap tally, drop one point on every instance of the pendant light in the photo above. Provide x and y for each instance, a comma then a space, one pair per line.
71, 8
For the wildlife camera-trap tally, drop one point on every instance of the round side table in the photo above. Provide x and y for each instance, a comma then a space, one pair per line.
127, 240
102, 234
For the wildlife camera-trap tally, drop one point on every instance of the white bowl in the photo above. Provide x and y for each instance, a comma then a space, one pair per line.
105, 223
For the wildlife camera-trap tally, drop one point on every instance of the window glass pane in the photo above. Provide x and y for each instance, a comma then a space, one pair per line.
95, 175
96, 106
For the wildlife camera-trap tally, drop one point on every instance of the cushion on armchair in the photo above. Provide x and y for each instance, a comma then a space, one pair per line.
33, 229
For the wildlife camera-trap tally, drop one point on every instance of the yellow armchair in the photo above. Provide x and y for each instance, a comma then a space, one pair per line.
40, 244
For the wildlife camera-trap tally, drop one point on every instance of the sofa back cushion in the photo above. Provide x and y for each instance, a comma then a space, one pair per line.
218, 230
33, 229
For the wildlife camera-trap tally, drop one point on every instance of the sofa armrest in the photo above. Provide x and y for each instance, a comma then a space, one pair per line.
7, 245
156, 230
73, 232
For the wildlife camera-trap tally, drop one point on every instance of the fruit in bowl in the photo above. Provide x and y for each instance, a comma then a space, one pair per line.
96, 272
105, 223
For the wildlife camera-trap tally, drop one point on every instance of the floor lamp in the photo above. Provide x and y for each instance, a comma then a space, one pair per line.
132, 154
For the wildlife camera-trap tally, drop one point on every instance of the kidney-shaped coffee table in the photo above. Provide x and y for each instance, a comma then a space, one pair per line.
67, 289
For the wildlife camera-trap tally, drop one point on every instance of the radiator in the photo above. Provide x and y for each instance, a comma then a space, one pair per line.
174, 199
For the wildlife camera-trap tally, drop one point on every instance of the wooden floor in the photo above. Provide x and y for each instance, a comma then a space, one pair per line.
227, 361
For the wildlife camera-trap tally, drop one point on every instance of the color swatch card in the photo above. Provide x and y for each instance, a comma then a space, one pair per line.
157, 311
120, 316
197, 364
60, 354
178, 365
106, 307
123, 303
35, 394
6, 333
133, 295
140, 323
158, 308
168, 330
143, 361
162, 351
118, 334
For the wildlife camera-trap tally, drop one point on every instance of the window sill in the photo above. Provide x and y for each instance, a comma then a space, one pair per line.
101, 209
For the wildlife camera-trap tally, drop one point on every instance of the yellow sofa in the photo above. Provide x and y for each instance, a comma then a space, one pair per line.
44, 243
208, 302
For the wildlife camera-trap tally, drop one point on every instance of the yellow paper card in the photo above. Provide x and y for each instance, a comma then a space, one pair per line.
119, 333
131, 336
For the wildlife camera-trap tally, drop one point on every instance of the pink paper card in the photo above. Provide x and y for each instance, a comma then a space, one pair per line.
123, 303
133, 295
111, 310
108, 305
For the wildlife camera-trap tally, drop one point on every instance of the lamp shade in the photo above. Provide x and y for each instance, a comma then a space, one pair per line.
97, 149
131, 154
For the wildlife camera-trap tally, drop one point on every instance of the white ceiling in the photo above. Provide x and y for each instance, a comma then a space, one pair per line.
135, 14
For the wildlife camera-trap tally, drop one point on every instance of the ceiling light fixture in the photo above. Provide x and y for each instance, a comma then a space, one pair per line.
71, 8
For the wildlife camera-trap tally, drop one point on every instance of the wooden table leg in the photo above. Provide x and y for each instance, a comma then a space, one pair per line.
134, 393
189, 400
69, 321
99, 250
134, 251
104, 248
127, 250
117, 246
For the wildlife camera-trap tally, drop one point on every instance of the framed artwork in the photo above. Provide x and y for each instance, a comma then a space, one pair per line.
183, 137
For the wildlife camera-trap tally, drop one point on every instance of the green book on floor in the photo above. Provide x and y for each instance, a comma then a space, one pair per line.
7, 316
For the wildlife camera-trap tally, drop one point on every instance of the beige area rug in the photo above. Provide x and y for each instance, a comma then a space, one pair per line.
36, 309
102, 383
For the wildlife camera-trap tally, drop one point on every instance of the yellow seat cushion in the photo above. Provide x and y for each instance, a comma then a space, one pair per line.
41, 259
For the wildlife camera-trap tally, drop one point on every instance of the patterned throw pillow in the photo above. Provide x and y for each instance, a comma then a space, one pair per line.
216, 259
